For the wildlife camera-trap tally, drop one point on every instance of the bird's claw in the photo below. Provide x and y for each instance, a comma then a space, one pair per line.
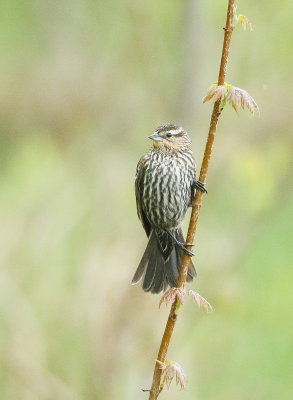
188, 252
200, 186
182, 246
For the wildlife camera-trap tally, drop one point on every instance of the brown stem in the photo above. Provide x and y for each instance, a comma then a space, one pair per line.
156, 384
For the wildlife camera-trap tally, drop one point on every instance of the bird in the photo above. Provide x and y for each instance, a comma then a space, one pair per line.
165, 185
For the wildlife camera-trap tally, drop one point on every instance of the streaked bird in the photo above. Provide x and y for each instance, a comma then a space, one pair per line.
164, 186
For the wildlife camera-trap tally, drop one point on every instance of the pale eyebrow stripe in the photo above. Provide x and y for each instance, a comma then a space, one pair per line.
177, 131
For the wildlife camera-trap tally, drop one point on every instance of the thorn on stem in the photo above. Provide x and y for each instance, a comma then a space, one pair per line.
228, 29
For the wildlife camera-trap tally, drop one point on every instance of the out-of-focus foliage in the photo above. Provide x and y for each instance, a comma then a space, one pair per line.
83, 83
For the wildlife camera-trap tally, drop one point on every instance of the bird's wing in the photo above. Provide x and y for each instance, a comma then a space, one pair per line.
140, 171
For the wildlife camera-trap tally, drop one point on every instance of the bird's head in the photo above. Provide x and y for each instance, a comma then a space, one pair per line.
171, 137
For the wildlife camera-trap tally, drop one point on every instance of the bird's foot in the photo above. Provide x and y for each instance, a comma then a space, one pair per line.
182, 246
188, 252
200, 186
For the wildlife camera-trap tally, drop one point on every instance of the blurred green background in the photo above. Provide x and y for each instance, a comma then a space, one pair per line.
83, 83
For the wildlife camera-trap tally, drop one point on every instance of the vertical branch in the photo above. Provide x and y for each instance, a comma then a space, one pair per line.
226, 43
156, 384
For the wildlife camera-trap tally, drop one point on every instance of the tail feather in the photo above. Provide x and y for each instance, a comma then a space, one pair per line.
143, 263
151, 271
159, 269
172, 268
159, 278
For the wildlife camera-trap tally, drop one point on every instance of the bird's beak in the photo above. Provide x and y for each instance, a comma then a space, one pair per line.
156, 137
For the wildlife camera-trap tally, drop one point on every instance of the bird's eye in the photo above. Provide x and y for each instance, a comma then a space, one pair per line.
169, 135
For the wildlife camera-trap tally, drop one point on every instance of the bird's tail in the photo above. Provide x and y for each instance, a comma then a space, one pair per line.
160, 263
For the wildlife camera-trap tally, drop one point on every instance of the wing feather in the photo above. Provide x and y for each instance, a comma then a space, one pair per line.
140, 171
